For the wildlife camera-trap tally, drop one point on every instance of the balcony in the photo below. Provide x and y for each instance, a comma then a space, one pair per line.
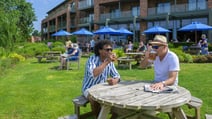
52, 28
73, 9
179, 8
85, 4
118, 15
62, 25
85, 20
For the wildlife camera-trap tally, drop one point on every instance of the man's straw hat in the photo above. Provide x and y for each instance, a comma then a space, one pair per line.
159, 40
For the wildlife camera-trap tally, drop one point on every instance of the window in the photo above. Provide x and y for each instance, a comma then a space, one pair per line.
164, 8
196, 4
115, 13
136, 11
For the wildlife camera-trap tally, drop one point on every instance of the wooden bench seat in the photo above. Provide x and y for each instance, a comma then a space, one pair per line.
81, 101
195, 104
208, 116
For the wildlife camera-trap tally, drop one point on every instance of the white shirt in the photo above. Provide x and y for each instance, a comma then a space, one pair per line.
92, 42
162, 68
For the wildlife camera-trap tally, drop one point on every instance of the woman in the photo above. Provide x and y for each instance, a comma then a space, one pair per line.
71, 54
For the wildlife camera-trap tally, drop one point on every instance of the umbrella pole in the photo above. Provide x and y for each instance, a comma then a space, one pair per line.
195, 36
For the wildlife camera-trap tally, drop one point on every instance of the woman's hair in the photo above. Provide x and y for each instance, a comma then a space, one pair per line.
100, 44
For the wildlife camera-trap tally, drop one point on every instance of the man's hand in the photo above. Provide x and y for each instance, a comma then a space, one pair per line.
157, 86
112, 57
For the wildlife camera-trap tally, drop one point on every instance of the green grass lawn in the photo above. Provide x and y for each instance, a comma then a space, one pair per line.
34, 90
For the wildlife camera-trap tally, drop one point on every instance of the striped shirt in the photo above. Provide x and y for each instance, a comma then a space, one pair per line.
89, 79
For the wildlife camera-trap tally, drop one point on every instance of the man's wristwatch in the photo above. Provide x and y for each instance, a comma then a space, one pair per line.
164, 83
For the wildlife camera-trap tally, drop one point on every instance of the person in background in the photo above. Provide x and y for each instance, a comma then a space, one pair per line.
204, 45
166, 64
100, 69
141, 48
129, 47
92, 44
70, 54
188, 40
49, 44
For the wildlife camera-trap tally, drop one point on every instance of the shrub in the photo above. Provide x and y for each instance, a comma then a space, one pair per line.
183, 57
202, 59
188, 58
182, 44
16, 57
2, 52
58, 46
209, 57
119, 52
73, 39
209, 47
31, 49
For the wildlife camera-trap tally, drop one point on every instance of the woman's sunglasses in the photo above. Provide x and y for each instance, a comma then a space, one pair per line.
108, 49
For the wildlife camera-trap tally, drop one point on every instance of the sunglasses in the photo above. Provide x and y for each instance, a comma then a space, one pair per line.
155, 46
108, 49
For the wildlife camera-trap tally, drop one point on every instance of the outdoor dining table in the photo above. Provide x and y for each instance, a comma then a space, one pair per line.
131, 95
132, 54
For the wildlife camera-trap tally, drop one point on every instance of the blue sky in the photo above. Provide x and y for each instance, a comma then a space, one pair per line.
41, 7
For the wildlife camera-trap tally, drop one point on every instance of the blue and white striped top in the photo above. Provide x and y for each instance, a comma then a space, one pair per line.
89, 79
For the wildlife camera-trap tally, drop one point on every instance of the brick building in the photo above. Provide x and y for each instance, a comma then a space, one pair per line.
135, 15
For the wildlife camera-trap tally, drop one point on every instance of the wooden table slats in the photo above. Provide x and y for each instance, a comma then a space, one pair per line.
131, 95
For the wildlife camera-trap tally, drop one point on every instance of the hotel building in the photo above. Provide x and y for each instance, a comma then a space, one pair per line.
134, 15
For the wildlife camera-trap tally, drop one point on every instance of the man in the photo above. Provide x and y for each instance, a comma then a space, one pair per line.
98, 69
166, 64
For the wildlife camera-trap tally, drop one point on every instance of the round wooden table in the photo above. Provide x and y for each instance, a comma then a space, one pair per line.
131, 95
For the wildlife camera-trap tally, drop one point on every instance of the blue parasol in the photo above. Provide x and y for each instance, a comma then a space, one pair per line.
83, 31
124, 31
61, 33
156, 30
195, 26
106, 30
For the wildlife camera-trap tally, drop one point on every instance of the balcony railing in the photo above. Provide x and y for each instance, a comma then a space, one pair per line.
123, 14
86, 20
85, 4
179, 8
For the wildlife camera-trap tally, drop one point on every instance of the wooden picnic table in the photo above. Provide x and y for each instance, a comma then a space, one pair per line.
50, 56
131, 95
125, 61
134, 53
138, 56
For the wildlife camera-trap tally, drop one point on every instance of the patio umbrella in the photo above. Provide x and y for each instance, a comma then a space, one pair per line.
195, 26
83, 31
61, 33
156, 30
106, 30
124, 31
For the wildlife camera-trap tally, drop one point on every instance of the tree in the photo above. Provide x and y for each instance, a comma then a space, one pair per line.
16, 22
36, 33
